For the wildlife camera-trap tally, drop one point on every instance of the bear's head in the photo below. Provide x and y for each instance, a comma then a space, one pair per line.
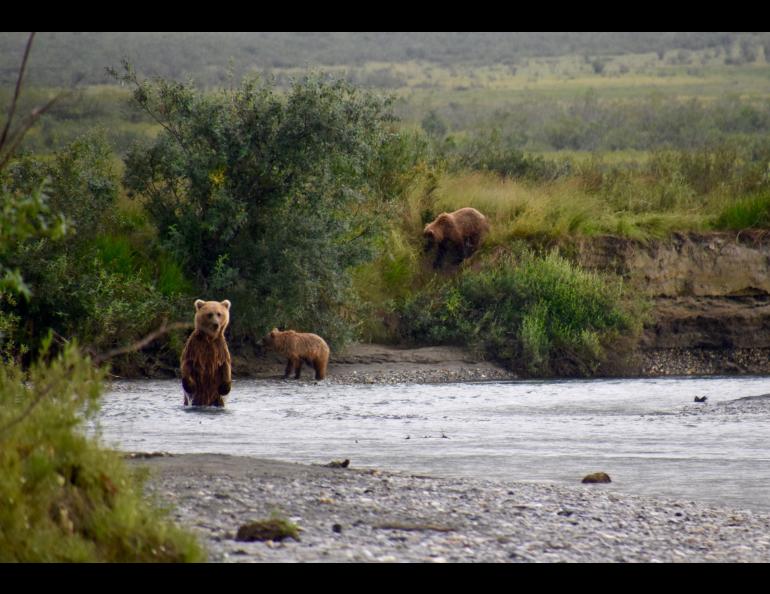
212, 317
433, 233
269, 340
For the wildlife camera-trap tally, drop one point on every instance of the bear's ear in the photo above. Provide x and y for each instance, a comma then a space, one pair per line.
274, 331
199, 303
226, 303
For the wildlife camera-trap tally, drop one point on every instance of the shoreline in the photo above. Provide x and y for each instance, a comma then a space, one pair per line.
364, 363
366, 515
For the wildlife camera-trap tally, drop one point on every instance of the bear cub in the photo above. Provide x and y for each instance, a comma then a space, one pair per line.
299, 347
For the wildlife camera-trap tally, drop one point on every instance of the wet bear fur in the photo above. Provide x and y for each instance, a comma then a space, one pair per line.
205, 363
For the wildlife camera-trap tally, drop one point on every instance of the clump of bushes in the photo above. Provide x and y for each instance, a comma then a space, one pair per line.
538, 314
64, 498
271, 198
103, 280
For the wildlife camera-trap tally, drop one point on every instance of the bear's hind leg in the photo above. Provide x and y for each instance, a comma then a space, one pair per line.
320, 369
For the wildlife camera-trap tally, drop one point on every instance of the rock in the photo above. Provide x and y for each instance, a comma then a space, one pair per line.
338, 464
597, 477
701, 399
262, 530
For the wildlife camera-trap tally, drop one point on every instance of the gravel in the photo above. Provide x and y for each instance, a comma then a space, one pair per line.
355, 515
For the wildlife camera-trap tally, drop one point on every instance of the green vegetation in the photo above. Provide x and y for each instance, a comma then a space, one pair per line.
64, 498
268, 198
538, 314
210, 57
101, 282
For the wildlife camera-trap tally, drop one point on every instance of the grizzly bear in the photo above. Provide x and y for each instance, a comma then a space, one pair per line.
206, 371
299, 347
459, 232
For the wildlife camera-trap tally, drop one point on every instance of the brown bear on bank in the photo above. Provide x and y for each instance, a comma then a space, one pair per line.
459, 232
299, 347
206, 372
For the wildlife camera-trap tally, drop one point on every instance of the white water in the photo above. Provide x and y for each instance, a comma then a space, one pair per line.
647, 434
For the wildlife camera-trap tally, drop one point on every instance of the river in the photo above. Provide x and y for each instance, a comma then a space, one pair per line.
647, 434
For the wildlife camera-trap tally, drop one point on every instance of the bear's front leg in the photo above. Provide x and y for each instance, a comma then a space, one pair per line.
188, 383
440, 253
225, 381
289, 368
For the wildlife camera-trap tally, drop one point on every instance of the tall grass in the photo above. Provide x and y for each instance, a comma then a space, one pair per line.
751, 212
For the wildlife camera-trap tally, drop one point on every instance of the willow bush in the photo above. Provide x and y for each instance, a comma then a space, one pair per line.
269, 198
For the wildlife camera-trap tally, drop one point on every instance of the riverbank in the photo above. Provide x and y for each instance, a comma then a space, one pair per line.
381, 364
364, 515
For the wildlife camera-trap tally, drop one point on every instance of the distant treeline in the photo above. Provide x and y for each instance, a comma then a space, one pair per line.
581, 123
591, 124
61, 58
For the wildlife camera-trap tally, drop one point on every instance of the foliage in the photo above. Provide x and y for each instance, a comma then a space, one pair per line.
491, 152
63, 497
24, 213
750, 212
269, 199
99, 283
540, 315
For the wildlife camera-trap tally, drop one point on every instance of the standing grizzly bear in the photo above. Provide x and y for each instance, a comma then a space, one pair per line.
206, 372
299, 347
459, 232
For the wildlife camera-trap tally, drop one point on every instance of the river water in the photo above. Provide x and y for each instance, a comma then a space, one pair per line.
647, 434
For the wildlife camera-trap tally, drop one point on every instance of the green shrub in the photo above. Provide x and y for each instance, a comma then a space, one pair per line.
271, 198
540, 315
103, 282
63, 497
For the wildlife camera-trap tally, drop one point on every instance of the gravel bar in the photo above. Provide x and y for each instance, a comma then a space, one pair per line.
364, 515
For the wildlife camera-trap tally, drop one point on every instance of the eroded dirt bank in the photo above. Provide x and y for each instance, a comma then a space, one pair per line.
711, 298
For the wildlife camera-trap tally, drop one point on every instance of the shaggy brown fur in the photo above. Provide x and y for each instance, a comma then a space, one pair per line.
206, 370
459, 232
299, 347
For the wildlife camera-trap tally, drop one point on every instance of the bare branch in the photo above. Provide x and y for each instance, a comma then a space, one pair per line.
34, 116
10, 142
140, 344
16, 93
